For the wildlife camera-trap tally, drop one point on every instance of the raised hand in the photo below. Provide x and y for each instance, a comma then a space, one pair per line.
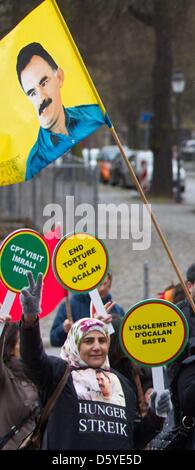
30, 296
107, 318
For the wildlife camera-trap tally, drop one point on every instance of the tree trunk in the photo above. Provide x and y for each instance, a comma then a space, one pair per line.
161, 141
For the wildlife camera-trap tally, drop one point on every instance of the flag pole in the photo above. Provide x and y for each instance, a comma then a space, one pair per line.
68, 308
118, 143
156, 225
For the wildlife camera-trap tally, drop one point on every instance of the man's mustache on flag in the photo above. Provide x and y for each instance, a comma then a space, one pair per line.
44, 105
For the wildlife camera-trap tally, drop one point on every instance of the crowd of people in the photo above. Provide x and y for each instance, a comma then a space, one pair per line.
108, 401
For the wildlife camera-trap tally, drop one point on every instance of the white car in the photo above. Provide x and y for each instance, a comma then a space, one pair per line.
90, 156
119, 173
148, 157
189, 146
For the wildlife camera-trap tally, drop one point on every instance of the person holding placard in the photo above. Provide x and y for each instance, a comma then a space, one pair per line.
79, 423
19, 397
184, 305
175, 369
80, 308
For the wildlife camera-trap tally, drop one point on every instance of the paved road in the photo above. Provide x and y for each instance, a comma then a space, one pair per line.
177, 222
189, 195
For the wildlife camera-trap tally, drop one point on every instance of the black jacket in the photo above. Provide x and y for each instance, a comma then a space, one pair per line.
186, 308
64, 430
174, 368
186, 394
182, 372
18, 400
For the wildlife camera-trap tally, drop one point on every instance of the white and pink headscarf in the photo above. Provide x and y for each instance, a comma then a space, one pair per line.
79, 329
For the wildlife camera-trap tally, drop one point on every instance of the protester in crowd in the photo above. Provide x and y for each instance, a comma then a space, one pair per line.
80, 308
176, 370
185, 306
77, 423
187, 310
183, 390
173, 293
19, 397
178, 294
167, 294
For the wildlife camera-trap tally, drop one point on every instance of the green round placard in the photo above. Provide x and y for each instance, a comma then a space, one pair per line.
22, 251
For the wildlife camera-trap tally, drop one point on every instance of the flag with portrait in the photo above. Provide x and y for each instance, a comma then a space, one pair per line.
48, 100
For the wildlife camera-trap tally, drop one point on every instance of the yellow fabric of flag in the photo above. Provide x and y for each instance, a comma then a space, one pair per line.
48, 100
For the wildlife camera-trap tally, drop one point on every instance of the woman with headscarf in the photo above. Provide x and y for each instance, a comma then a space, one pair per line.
97, 408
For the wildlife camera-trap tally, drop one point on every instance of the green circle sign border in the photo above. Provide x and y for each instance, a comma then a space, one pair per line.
4, 244
55, 255
158, 301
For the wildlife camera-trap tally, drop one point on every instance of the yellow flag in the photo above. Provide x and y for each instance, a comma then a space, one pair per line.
48, 100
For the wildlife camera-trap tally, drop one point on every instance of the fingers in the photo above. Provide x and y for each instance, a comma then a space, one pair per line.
164, 403
165, 397
107, 304
35, 287
38, 285
25, 294
105, 318
110, 307
164, 406
162, 410
108, 319
31, 280
99, 316
166, 394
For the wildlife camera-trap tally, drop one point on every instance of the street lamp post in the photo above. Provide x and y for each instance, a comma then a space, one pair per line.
178, 85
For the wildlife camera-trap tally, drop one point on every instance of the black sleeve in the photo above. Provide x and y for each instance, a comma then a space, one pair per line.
43, 370
2, 365
186, 389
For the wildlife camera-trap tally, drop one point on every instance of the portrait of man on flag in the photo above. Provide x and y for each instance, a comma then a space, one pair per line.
48, 101
60, 128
